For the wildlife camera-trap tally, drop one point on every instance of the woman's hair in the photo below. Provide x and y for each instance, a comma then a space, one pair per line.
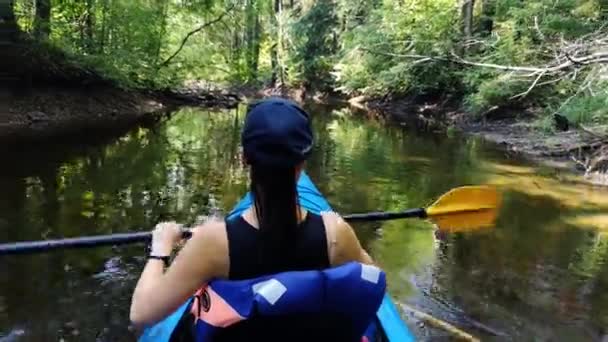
275, 201
277, 137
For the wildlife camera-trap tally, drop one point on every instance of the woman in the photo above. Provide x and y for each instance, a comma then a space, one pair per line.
272, 236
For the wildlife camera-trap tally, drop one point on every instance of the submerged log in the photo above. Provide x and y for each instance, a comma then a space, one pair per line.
437, 323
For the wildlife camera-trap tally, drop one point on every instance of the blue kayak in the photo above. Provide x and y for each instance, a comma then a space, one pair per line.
392, 327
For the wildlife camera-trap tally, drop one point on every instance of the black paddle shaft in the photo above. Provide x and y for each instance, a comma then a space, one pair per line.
29, 247
384, 216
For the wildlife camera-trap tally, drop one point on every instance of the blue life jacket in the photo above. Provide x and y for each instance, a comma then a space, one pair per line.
353, 290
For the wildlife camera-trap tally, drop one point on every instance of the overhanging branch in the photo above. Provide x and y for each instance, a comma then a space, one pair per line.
595, 58
191, 33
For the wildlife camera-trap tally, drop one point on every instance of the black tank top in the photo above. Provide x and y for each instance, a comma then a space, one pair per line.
310, 248
310, 254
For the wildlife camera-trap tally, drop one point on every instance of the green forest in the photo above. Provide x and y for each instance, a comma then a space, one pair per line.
546, 54
129, 112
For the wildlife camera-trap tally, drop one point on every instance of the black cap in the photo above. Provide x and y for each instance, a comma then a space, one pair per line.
277, 132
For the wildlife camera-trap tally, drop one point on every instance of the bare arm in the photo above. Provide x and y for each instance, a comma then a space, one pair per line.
343, 244
203, 258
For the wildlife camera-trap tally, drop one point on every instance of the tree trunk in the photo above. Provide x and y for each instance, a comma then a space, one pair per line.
467, 7
486, 22
42, 21
252, 40
274, 64
164, 9
248, 37
235, 53
104, 30
256, 46
90, 26
279, 11
274, 55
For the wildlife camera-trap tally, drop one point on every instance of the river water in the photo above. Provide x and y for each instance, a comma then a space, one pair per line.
540, 274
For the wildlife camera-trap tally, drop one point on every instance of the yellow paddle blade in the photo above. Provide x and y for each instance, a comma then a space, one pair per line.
464, 199
465, 221
466, 208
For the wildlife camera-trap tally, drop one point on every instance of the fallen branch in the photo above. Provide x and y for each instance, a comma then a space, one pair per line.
525, 93
191, 33
577, 148
461, 315
586, 84
563, 62
437, 323
549, 82
569, 59
590, 132
457, 60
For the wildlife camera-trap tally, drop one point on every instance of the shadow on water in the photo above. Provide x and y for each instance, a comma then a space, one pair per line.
539, 274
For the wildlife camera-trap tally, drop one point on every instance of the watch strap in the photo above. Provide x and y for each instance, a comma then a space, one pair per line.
164, 258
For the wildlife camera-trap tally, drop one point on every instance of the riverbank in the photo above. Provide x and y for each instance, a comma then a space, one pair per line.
47, 94
42, 113
582, 150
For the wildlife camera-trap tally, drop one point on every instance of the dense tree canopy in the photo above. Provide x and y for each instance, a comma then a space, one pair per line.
492, 52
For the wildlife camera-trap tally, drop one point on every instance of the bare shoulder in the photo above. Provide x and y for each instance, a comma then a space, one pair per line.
343, 243
337, 227
211, 231
209, 243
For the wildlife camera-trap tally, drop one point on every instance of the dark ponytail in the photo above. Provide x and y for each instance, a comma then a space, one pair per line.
274, 191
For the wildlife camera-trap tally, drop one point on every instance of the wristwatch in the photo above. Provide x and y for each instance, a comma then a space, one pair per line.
164, 258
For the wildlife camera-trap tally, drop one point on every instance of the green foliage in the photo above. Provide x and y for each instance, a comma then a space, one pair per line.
587, 109
529, 33
495, 92
314, 41
370, 60
128, 40
523, 33
373, 47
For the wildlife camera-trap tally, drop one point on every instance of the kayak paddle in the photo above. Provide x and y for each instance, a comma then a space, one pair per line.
460, 209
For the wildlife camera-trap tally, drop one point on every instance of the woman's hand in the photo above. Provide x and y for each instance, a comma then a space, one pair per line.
165, 236
203, 258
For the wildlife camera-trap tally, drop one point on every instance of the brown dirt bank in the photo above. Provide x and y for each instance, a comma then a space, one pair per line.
43, 113
583, 150
429, 113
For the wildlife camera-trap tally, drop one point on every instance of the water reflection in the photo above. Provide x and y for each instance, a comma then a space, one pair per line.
539, 273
